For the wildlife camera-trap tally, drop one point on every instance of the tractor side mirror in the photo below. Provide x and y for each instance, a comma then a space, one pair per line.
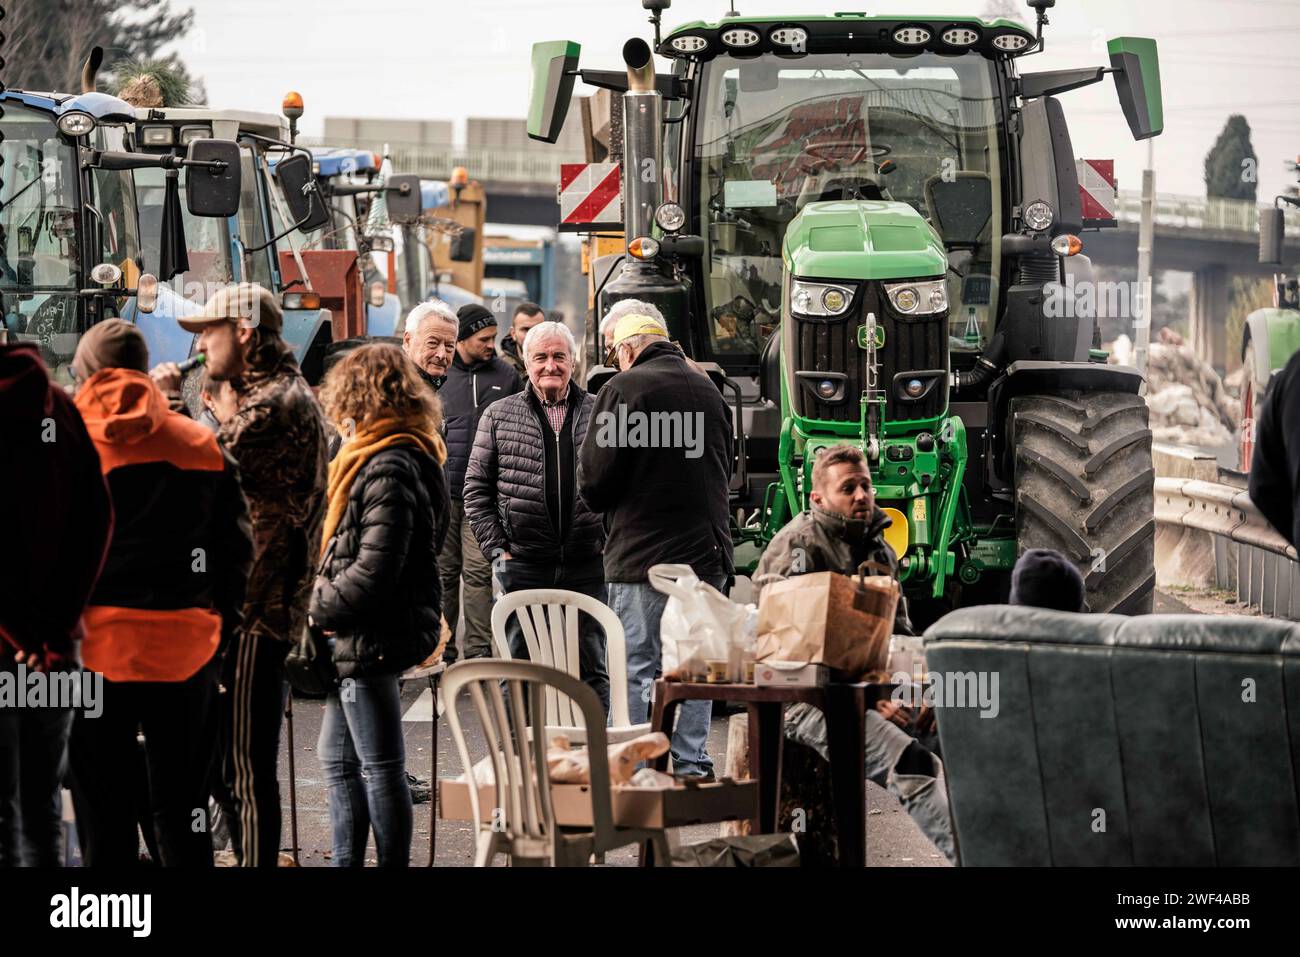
1272, 233
1137, 83
306, 208
554, 64
402, 198
209, 191
462, 245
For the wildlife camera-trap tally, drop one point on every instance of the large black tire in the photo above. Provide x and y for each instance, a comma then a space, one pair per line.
1085, 486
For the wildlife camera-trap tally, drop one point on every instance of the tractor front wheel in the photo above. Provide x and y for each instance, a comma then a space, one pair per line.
1085, 486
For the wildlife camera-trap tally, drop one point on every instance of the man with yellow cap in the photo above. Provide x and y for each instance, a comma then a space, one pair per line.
657, 461
277, 435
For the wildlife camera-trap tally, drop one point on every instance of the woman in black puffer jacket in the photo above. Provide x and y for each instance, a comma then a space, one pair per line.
377, 593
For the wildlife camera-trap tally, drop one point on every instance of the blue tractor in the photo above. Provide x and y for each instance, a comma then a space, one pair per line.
74, 249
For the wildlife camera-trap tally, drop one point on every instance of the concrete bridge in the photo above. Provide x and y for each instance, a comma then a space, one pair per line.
1213, 239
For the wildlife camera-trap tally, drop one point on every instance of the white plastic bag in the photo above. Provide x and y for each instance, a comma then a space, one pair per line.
699, 624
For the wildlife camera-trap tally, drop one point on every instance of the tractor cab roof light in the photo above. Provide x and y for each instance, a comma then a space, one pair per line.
689, 44
157, 136
959, 36
912, 36
191, 133
740, 37
789, 37
1011, 42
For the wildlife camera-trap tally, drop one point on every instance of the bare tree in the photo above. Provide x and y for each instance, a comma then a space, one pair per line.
47, 41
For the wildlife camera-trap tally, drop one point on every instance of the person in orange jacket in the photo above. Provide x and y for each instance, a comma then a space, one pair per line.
168, 600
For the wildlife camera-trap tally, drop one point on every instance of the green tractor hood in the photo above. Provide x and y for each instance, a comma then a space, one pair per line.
862, 239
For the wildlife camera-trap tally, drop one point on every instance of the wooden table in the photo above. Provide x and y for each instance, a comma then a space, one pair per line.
845, 707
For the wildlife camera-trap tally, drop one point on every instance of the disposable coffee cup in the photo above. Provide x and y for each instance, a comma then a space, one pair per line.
717, 671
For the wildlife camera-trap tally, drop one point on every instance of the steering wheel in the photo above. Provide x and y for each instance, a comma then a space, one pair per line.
836, 158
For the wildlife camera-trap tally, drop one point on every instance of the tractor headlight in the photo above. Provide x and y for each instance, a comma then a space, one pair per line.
918, 298
670, 217
819, 299
76, 123
1038, 215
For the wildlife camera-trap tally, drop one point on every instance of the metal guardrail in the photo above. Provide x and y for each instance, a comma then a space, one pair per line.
1250, 557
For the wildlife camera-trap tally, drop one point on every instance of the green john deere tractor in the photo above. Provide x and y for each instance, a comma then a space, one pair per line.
1270, 335
861, 227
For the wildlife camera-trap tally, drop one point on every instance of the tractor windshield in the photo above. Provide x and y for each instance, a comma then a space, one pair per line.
776, 134
40, 248
207, 239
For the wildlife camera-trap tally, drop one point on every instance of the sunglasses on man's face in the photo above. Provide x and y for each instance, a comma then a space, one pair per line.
611, 357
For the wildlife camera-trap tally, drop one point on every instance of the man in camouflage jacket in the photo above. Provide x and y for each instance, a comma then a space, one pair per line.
278, 436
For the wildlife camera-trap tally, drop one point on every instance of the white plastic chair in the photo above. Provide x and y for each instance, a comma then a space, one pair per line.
548, 618
524, 827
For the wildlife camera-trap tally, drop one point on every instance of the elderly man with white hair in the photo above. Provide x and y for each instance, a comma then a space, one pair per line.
626, 307
521, 491
429, 339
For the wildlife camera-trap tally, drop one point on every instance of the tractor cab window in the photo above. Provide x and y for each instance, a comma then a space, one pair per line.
207, 238
114, 206
40, 247
774, 135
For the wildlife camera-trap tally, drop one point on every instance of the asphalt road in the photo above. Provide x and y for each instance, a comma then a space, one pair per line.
892, 839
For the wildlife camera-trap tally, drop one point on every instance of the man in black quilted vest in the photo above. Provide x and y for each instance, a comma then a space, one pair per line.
521, 491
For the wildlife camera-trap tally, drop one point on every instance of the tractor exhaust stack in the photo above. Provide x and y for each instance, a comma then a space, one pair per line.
642, 141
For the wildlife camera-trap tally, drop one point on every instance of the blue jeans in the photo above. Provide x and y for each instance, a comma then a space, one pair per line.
640, 607
363, 754
33, 758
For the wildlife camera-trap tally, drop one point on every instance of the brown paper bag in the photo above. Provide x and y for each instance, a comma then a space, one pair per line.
829, 619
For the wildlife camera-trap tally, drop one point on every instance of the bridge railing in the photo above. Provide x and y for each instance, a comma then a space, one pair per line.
1199, 212
541, 168
488, 164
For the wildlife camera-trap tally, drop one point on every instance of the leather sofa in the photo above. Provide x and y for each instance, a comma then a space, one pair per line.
1152, 740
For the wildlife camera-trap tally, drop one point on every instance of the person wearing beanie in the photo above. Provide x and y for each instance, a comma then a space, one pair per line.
1044, 578
527, 315
56, 532
476, 379
169, 596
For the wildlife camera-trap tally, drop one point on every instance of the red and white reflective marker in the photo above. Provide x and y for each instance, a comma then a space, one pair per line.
1097, 191
590, 195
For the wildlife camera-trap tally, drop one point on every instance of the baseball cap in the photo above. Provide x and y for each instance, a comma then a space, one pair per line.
634, 324
240, 302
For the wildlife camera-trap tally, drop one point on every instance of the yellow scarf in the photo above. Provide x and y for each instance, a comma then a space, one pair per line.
368, 441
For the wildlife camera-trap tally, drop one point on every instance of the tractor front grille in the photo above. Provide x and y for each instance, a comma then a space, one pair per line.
911, 345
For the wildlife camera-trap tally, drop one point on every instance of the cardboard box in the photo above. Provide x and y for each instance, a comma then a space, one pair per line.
725, 800
790, 674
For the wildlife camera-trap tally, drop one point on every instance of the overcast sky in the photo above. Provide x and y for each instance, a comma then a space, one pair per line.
418, 59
